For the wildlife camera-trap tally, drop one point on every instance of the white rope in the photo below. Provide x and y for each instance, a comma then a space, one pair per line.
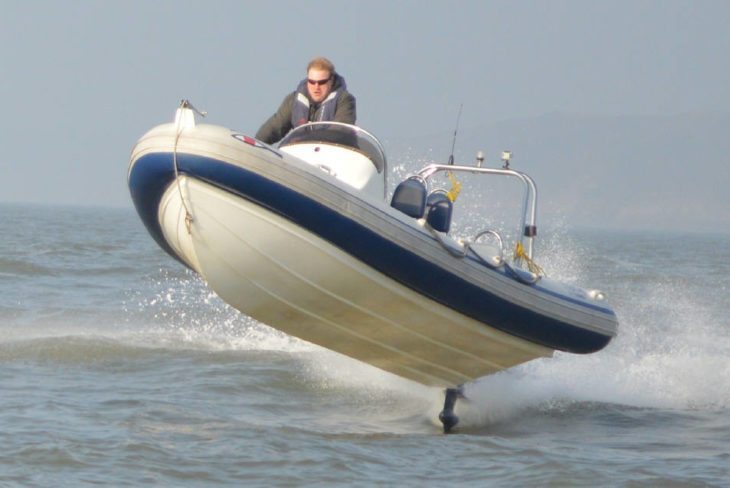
188, 215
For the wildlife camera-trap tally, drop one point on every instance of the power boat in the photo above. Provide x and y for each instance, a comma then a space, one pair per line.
303, 237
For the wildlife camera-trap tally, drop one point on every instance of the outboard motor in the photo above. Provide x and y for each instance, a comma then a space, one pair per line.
410, 198
440, 208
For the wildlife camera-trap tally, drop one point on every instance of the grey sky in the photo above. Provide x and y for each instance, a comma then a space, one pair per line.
82, 80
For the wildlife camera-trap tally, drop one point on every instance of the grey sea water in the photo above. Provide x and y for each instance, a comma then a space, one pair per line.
120, 368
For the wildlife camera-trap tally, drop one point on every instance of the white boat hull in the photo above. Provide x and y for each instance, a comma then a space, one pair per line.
311, 249
298, 283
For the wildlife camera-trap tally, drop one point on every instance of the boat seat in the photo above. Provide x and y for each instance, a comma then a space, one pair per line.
440, 208
410, 198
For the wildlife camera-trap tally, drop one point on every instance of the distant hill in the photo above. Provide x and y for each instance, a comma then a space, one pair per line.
632, 172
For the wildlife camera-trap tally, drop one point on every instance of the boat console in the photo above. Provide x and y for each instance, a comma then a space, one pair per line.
347, 152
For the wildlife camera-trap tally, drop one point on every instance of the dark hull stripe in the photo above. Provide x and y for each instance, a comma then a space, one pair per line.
152, 174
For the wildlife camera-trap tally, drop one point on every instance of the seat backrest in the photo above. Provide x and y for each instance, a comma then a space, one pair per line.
440, 208
410, 198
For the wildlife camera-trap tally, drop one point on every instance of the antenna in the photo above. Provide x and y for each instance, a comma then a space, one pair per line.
453, 143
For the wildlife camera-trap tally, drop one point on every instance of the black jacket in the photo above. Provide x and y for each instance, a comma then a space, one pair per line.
280, 123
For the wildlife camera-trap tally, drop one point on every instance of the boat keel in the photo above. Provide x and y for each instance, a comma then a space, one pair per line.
447, 416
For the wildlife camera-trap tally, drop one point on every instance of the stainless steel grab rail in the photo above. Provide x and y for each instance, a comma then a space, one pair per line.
528, 230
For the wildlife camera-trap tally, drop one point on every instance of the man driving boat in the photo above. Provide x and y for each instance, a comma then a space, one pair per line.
321, 96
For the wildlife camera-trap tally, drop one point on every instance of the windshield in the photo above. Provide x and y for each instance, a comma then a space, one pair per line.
340, 134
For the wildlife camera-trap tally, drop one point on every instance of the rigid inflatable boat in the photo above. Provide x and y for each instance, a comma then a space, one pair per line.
303, 237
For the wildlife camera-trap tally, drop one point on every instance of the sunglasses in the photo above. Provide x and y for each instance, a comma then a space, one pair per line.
318, 82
